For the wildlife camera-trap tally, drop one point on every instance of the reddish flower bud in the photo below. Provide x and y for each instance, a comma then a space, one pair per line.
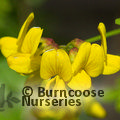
48, 43
77, 42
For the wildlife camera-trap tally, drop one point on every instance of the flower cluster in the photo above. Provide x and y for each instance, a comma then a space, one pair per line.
70, 66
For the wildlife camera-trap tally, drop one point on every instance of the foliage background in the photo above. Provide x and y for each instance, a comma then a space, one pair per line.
62, 20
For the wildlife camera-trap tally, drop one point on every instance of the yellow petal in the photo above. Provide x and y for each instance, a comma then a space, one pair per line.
55, 62
50, 84
55, 84
95, 64
48, 64
113, 64
60, 84
96, 110
102, 30
24, 29
23, 63
31, 41
80, 81
8, 46
81, 57
64, 67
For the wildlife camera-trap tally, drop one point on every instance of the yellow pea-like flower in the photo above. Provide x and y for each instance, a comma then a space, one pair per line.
20, 52
89, 58
111, 62
93, 58
56, 66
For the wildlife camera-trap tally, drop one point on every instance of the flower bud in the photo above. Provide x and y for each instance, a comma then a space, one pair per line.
77, 42
48, 43
74, 43
73, 53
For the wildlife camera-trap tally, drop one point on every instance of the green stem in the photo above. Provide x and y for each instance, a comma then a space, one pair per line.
108, 34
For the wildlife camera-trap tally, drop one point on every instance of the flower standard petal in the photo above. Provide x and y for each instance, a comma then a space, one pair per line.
113, 64
32, 40
23, 63
48, 64
95, 64
8, 46
102, 30
64, 67
80, 81
81, 57
24, 29
55, 62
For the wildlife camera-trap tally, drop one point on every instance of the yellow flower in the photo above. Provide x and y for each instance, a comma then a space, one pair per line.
89, 61
56, 70
56, 66
20, 52
94, 60
111, 62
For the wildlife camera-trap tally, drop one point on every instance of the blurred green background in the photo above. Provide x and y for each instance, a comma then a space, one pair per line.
62, 20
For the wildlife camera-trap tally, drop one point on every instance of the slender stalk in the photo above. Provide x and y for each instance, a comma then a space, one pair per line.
108, 34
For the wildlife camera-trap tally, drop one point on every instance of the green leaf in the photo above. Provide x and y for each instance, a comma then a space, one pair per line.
117, 21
